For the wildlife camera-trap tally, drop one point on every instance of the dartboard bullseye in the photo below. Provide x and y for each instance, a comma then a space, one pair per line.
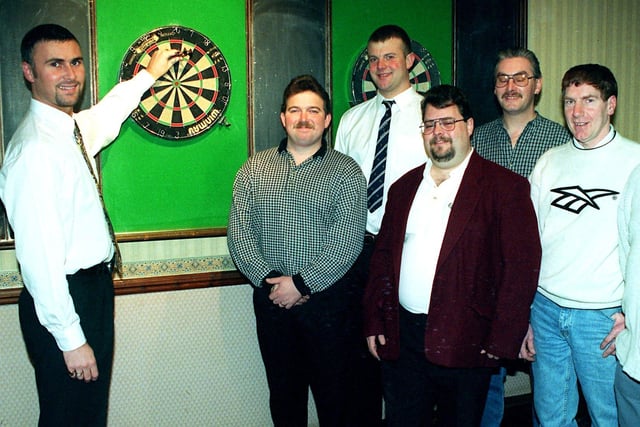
192, 96
423, 74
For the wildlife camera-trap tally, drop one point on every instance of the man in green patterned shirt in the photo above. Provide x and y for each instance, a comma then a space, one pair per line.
296, 226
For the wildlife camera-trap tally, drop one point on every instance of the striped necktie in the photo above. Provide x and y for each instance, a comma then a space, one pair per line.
376, 179
118, 257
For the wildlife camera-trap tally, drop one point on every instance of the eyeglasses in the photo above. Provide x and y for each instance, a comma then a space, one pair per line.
447, 123
520, 79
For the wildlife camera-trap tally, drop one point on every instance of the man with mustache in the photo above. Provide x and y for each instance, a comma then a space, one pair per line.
515, 140
62, 237
452, 276
296, 226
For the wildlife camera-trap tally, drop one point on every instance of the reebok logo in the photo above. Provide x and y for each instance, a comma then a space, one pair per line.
574, 199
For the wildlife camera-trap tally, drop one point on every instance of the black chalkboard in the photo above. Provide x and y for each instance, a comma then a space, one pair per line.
288, 38
482, 29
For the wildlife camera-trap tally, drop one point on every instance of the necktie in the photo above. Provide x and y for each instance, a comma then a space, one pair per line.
118, 258
376, 179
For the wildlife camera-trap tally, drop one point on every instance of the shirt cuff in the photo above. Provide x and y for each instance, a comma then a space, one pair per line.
298, 281
71, 338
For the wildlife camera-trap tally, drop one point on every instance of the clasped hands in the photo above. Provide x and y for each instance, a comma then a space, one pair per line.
284, 292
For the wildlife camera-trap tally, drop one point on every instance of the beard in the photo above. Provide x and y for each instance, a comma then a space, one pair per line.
441, 156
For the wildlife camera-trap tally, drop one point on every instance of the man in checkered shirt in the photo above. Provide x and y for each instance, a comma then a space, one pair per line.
515, 140
296, 226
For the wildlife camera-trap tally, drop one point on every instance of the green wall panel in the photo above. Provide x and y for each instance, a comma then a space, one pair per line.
151, 184
428, 22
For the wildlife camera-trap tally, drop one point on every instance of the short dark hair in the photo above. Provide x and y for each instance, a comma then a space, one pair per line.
305, 83
520, 52
444, 96
387, 32
595, 75
40, 33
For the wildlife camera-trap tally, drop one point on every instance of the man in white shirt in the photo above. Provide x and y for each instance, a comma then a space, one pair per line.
62, 237
390, 58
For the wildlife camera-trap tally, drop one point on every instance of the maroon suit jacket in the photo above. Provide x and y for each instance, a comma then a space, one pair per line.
486, 274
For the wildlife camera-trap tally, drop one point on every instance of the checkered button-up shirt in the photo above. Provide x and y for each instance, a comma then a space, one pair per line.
492, 142
307, 219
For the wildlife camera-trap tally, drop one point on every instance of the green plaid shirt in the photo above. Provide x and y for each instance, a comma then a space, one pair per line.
492, 142
307, 219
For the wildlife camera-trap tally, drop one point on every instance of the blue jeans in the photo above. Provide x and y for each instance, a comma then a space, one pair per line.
628, 398
494, 407
567, 343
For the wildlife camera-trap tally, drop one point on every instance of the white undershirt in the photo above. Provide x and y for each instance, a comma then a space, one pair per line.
426, 226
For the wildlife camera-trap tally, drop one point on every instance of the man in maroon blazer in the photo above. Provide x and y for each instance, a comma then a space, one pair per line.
453, 273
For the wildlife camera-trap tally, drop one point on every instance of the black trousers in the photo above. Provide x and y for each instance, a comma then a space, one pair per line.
365, 382
420, 393
65, 401
303, 348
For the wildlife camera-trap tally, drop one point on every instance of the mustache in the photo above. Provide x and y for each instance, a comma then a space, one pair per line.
437, 139
511, 93
304, 124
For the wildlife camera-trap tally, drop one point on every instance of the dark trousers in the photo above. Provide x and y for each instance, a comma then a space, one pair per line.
420, 393
65, 401
303, 348
365, 383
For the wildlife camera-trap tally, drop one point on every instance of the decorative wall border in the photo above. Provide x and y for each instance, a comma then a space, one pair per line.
152, 276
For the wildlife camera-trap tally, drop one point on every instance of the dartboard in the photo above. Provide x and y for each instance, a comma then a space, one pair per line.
192, 96
423, 74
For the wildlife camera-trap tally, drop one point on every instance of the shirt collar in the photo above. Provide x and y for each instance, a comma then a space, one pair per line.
604, 141
282, 148
52, 116
402, 99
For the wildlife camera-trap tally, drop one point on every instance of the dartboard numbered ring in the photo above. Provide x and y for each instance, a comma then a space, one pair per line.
192, 96
423, 74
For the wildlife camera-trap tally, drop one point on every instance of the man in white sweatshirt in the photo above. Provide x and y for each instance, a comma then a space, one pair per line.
576, 313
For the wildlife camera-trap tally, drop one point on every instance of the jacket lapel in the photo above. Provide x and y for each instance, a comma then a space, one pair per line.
463, 205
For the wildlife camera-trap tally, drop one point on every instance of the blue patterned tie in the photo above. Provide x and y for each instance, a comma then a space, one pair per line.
376, 179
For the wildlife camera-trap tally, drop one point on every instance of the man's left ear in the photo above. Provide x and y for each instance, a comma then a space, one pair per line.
470, 125
327, 121
612, 102
409, 60
538, 86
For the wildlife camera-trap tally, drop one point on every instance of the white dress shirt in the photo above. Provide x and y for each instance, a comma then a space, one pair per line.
52, 201
357, 136
426, 227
